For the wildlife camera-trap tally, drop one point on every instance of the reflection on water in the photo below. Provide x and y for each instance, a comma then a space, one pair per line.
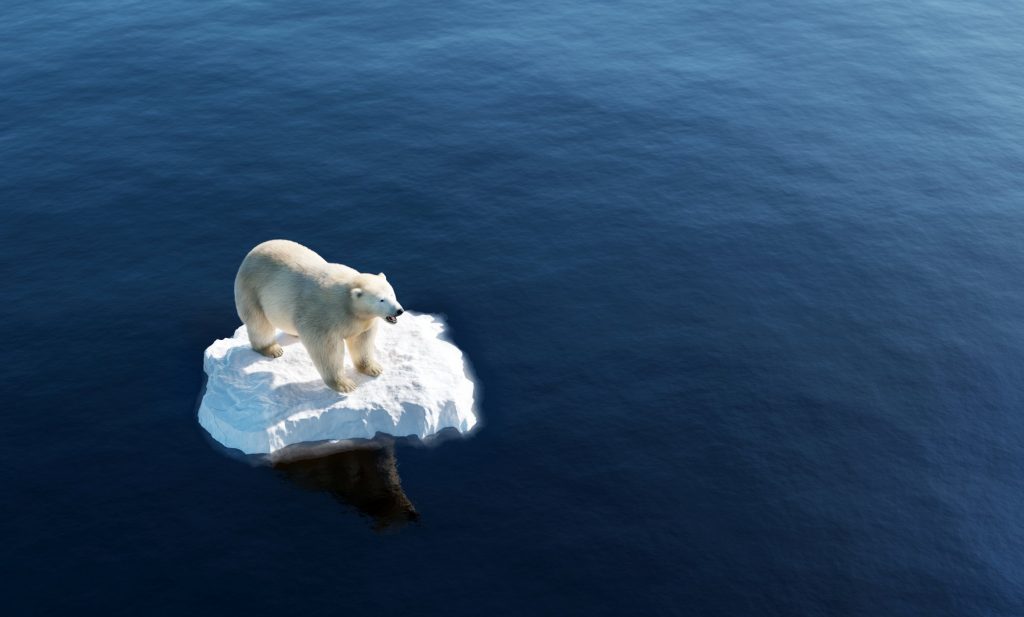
364, 477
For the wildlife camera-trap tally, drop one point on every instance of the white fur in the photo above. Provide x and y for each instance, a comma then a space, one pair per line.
284, 285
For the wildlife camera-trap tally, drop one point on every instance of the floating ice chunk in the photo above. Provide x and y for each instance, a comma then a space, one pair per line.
260, 405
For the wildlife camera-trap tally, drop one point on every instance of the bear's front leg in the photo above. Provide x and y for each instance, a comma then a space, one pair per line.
328, 355
362, 350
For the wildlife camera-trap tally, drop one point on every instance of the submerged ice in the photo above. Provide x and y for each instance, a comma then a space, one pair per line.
259, 405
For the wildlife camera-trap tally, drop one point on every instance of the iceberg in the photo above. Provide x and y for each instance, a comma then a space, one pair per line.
261, 405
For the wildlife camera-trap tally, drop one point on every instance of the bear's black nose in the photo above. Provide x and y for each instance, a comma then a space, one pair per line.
400, 311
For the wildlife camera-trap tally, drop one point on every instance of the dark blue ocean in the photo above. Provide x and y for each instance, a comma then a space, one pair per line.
741, 283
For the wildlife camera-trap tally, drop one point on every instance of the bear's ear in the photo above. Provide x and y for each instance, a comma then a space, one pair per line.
381, 275
357, 292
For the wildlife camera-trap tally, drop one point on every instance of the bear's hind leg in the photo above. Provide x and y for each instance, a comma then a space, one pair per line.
261, 332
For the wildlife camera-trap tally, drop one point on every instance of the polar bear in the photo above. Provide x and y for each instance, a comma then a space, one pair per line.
284, 285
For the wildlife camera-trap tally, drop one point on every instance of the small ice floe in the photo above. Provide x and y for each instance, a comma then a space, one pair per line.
260, 405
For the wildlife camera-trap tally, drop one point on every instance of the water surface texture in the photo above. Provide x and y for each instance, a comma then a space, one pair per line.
741, 283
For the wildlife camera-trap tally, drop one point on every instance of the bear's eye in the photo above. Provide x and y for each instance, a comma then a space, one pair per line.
382, 299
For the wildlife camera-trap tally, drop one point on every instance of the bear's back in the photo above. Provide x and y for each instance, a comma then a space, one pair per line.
286, 254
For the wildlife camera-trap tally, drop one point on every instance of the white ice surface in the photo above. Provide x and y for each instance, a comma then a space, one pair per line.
259, 405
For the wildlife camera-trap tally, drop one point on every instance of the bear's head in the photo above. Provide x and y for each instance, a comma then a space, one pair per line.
372, 296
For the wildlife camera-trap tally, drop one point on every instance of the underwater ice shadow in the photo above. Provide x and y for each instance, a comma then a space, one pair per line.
362, 475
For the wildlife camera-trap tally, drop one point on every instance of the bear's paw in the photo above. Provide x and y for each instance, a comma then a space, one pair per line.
272, 351
372, 369
341, 384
